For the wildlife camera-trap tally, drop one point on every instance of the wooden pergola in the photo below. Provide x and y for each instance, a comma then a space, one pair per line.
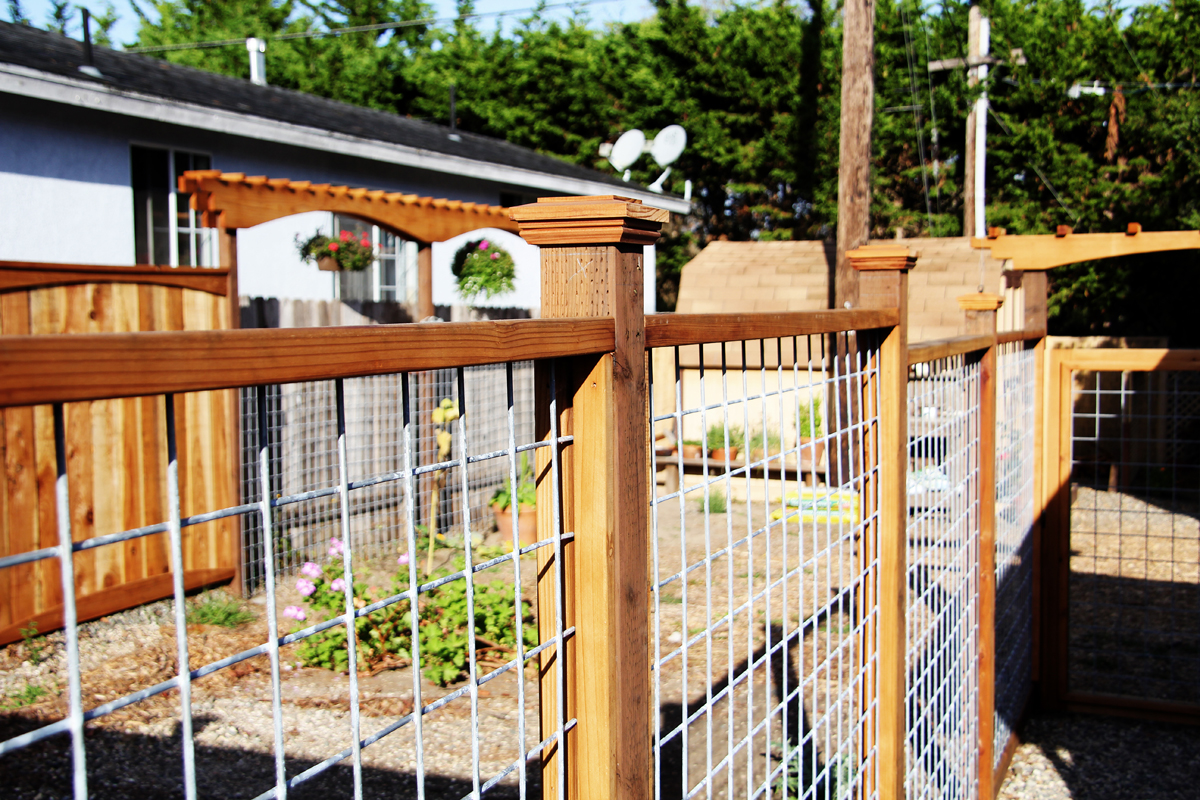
231, 200
1040, 253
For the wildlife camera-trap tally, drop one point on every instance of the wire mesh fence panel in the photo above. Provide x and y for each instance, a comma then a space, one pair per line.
403, 665
942, 604
764, 560
1015, 454
1134, 585
304, 457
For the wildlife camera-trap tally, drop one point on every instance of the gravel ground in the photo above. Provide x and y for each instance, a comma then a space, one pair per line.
1103, 758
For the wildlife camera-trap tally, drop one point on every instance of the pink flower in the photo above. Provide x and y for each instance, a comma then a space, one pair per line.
295, 612
305, 587
366, 242
338, 585
346, 236
333, 247
310, 569
335, 548
483, 245
402, 560
495, 256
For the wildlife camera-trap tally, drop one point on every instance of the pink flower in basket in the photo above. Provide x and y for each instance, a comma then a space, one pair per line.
333, 247
483, 245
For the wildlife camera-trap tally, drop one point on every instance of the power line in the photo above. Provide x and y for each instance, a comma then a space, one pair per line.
381, 26
916, 109
1004, 127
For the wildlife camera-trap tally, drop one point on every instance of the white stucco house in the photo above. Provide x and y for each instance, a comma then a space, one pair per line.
89, 159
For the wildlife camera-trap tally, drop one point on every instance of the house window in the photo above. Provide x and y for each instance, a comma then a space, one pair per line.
165, 229
393, 276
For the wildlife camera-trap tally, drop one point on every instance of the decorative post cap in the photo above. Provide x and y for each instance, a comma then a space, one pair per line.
980, 301
603, 219
882, 257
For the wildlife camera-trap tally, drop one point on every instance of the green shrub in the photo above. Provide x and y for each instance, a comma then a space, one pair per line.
716, 437
718, 503
386, 635
25, 697
767, 439
810, 419
210, 609
526, 488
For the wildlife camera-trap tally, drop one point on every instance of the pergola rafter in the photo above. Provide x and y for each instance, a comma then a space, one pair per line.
1035, 253
231, 200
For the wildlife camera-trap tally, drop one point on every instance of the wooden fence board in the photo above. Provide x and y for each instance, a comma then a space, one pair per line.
116, 458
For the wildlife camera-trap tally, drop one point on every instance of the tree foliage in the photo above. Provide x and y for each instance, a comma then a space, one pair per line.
757, 87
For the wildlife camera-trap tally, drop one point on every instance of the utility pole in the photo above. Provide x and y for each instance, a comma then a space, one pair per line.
854, 148
978, 44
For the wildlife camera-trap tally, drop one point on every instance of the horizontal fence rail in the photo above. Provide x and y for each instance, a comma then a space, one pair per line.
49, 369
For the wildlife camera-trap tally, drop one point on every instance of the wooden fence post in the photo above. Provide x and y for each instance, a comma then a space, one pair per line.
883, 283
981, 311
227, 256
1034, 284
591, 251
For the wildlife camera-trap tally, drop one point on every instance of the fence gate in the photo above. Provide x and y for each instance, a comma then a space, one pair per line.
111, 446
1121, 611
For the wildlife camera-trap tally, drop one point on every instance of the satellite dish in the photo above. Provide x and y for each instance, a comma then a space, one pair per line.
668, 145
627, 149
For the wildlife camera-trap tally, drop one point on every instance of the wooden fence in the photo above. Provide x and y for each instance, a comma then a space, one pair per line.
115, 448
595, 590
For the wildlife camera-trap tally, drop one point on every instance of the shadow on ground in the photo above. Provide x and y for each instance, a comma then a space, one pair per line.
1107, 758
124, 766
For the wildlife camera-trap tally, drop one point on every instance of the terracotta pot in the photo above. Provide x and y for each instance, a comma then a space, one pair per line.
328, 264
692, 451
526, 522
817, 451
719, 455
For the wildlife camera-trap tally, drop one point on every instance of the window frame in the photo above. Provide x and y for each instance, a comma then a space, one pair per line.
202, 255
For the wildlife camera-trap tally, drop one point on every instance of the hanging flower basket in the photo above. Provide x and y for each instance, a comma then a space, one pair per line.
482, 268
335, 254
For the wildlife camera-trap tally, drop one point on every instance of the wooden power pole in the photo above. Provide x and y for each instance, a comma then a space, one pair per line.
854, 151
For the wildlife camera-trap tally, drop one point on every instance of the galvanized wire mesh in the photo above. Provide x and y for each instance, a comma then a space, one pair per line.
397, 745
1015, 454
942, 604
304, 457
764, 564
1134, 588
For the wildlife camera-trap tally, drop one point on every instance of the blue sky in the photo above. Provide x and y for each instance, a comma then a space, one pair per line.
126, 29
601, 11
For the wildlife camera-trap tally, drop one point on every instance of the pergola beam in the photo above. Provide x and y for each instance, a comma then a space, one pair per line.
1031, 253
230, 200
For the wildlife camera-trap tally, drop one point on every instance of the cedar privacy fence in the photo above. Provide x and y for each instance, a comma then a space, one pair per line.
855, 593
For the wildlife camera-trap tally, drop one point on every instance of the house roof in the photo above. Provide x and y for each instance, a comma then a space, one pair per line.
129, 73
731, 277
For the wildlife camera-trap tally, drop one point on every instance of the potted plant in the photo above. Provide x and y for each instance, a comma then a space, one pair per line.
716, 442
526, 505
342, 252
693, 448
765, 442
483, 268
811, 447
